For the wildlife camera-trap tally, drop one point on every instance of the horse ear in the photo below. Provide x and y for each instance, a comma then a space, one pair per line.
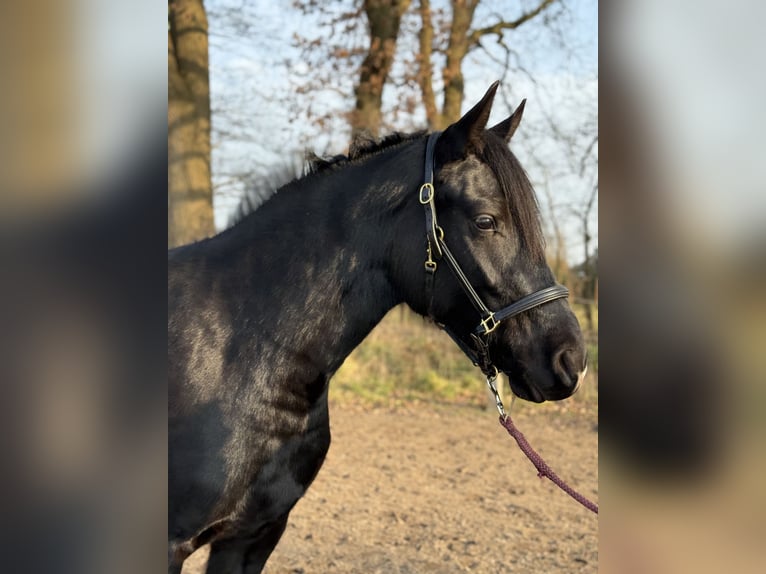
467, 130
507, 127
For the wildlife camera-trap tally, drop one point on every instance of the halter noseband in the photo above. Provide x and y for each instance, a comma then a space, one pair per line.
437, 249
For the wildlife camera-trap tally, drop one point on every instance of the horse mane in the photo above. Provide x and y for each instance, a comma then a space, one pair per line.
518, 191
362, 146
263, 187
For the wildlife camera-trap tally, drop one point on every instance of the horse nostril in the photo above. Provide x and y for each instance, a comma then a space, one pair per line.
567, 364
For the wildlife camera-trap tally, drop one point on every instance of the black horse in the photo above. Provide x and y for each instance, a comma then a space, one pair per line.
262, 315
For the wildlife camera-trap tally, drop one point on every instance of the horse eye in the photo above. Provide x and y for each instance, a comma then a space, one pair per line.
485, 222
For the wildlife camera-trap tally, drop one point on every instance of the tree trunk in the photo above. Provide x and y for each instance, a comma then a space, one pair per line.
425, 66
461, 40
384, 17
457, 48
190, 190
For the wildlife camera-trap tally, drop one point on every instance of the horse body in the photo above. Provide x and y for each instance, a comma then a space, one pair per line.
262, 315
255, 333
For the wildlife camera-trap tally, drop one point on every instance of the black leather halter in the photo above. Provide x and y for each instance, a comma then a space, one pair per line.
437, 250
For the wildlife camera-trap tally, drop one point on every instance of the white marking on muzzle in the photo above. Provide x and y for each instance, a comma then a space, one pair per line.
580, 379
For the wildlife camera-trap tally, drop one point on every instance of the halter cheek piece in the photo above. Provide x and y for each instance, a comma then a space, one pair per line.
437, 249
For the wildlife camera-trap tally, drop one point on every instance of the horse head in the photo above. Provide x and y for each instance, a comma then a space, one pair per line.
489, 219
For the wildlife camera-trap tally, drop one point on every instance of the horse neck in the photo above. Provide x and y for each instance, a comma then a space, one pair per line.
330, 283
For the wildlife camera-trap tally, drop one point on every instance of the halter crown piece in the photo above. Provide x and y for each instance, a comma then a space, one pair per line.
437, 250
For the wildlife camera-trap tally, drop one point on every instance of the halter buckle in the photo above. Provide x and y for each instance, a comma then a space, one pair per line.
428, 188
489, 324
430, 264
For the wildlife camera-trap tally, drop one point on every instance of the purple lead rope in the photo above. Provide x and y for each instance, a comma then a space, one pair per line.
542, 467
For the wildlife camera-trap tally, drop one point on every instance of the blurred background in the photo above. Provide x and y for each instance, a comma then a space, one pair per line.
88, 180
683, 330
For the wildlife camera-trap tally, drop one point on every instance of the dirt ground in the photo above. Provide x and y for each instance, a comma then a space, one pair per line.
442, 490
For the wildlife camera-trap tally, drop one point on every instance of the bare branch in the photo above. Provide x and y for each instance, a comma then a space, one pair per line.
502, 25
587, 153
